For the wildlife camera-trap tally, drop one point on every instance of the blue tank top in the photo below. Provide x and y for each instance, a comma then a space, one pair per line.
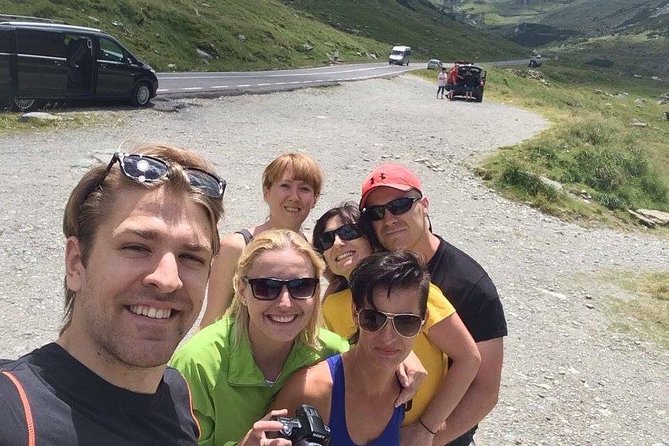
338, 431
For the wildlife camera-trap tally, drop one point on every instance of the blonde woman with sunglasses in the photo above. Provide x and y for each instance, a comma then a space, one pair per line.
443, 338
236, 366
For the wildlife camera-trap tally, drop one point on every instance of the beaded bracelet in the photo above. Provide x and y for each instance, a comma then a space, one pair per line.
426, 428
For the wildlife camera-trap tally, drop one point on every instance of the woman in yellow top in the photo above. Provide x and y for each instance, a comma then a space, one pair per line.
340, 239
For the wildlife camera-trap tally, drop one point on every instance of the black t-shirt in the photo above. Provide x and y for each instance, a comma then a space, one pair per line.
73, 406
469, 288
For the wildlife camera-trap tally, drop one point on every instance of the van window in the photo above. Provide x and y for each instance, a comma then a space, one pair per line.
110, 51
40, 43
5, 41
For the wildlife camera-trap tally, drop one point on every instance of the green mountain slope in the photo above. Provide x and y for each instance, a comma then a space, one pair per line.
417, 23
626, 36
265, 34
599, 17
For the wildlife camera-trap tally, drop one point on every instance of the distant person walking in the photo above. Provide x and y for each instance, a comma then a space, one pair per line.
441, 82
470, 83
452, 80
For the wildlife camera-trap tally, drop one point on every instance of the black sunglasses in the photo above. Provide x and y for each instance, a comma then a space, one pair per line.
267, 288
148, 169
349, 231
396, 207
406, 324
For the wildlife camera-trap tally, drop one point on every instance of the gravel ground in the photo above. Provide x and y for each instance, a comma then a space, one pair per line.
568, 379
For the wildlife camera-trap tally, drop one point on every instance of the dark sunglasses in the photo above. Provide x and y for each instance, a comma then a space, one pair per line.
396, 207
148, 169
406, 325
349, 231
267, 288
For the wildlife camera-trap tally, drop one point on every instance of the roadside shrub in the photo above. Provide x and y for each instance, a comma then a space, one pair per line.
528, 182
594, 130
600, 62
600, 169
611, 201
543, 153
653, 186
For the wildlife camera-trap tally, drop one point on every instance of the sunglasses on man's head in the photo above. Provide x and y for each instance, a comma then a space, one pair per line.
148, 169
406, 324
396, 207
349, 231
267, 288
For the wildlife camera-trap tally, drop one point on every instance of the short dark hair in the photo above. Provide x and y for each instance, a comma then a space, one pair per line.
388, 270
348, 212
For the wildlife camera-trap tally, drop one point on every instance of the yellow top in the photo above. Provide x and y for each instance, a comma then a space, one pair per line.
338, 315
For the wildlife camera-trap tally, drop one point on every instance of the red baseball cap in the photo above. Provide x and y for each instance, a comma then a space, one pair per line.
396, 176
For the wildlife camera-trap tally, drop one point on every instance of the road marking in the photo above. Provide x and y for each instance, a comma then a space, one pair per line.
274, 74
192, 88
221, 86
284, 83
243, 85
263, 85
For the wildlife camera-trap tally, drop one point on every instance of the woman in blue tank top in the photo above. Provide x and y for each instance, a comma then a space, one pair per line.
354, 392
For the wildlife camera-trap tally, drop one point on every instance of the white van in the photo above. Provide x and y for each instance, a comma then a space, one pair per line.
400, 55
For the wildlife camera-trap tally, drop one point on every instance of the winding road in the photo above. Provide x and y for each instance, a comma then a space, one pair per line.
216, 83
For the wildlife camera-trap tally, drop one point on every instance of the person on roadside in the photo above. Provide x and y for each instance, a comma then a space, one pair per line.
393, 205
469, 81
444, 338
291, 186
441, 83
140, 237
354, 392
452, 80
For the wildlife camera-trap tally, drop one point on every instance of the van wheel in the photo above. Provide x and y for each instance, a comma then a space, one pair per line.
141, 95
24, 104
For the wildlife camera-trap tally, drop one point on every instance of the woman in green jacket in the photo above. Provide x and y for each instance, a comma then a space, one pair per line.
237, 365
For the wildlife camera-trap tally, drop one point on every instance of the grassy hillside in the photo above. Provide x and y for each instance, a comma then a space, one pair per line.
629, 37
589, 17
507, 12
264, 34
607, 146
417, 23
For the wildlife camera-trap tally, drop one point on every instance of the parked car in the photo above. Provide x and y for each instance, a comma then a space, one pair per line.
474, 73
400, 55
535, 61
434, 64
54, 62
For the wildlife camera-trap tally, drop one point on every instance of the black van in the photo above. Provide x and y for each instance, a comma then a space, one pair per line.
54, 62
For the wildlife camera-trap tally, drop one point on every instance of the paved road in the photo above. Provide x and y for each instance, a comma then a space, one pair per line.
216, 83
176, 84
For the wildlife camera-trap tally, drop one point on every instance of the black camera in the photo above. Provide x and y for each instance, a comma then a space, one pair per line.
306, 429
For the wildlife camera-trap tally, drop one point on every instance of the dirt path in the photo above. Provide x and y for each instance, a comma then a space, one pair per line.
568, 380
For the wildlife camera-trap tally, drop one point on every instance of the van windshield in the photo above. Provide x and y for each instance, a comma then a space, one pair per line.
110, 51
397, 53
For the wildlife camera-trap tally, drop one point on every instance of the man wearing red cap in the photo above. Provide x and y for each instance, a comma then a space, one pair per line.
394, 208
